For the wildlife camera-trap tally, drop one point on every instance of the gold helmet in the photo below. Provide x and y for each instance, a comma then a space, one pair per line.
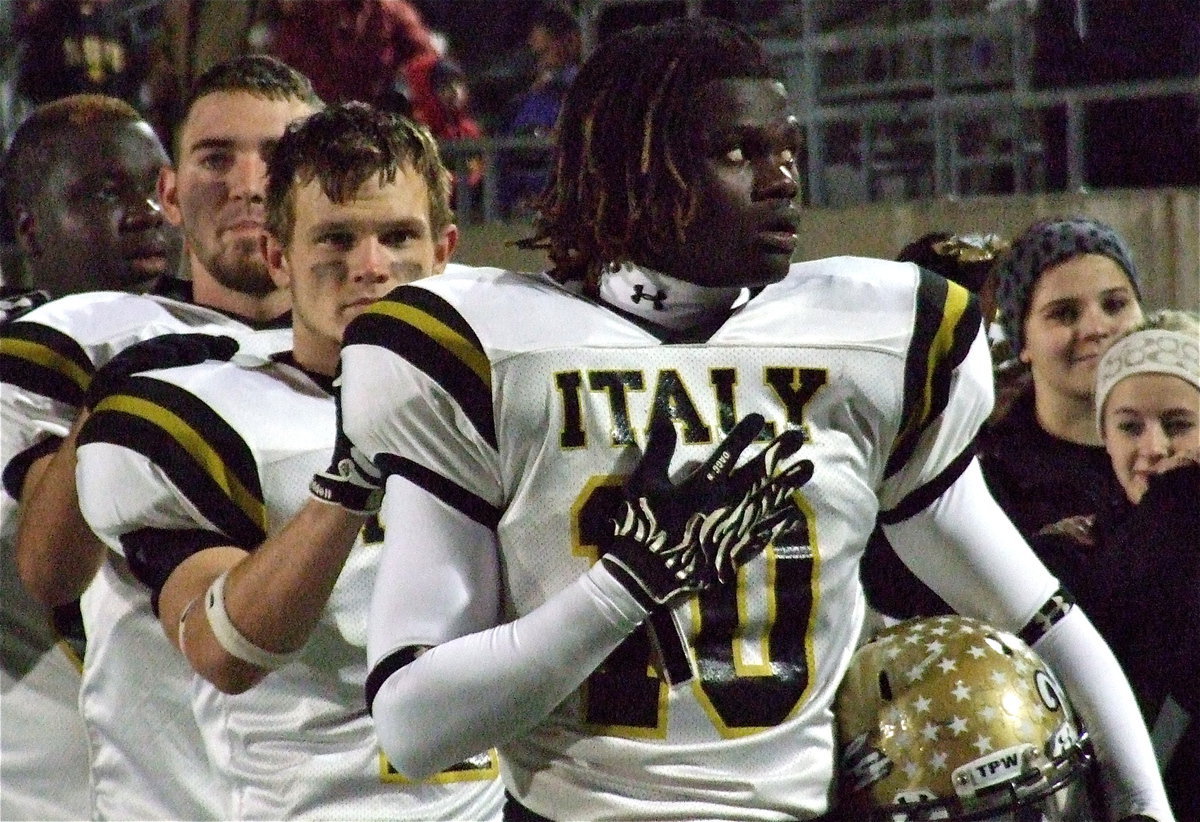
949, 718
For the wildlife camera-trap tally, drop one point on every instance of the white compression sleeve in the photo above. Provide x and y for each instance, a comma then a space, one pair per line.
477, 691
1101, 694
966, 549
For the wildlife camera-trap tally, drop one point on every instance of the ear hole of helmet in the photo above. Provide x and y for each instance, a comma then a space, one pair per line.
885, 686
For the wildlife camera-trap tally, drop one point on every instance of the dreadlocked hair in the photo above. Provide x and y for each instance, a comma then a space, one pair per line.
621, 185
341, 147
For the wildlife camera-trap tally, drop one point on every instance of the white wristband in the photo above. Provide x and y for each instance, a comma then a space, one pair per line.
231, 639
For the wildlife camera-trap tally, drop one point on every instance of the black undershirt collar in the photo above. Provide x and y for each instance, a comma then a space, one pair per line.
323, 381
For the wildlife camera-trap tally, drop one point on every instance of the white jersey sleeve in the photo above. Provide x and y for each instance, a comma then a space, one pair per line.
141, 488
49, 355
415, 400
948, 393
168, 465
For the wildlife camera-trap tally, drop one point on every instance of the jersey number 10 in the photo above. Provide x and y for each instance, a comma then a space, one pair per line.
745, 649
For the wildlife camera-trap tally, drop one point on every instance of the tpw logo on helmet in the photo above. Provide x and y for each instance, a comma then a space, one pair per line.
994, 769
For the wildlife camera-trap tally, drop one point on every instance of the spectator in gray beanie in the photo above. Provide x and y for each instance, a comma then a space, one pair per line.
1044, 244
1067, 289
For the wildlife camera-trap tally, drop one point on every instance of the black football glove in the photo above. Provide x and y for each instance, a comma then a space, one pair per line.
164, 351
671, 540
759, 507
351, 480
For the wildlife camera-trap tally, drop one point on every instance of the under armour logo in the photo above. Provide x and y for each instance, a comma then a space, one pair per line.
639, 294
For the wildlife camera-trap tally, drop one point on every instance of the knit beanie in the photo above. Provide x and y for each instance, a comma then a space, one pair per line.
1044, 244
1149, 351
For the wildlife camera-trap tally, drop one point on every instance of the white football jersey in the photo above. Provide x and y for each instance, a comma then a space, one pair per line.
524, 406
153, 767
221, 454
43, 743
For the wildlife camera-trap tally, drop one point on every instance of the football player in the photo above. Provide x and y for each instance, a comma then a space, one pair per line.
78, 183
640, 638
263, 594
153, 767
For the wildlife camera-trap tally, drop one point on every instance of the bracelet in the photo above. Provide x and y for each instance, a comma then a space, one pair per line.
231, 639
1050, 614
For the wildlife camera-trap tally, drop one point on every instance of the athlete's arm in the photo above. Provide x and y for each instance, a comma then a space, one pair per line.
968, 552
273, 596
451, 680
57, 553
180, 537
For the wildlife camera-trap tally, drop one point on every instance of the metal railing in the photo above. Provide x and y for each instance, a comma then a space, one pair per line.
942, 129
482, 203
939, 165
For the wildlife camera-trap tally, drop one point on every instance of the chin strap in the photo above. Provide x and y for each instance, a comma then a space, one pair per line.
666, 301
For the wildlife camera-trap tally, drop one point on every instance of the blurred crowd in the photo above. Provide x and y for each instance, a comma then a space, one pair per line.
383, 52
508, 82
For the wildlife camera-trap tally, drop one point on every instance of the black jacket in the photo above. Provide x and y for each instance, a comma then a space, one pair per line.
1038, 478
1139, 582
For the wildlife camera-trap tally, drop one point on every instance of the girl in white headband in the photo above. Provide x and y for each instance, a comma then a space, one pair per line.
1147, 393
1134, 566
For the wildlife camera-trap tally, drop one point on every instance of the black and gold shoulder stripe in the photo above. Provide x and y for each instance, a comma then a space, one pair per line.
42, 360
428, 332
195, 447
946, 324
